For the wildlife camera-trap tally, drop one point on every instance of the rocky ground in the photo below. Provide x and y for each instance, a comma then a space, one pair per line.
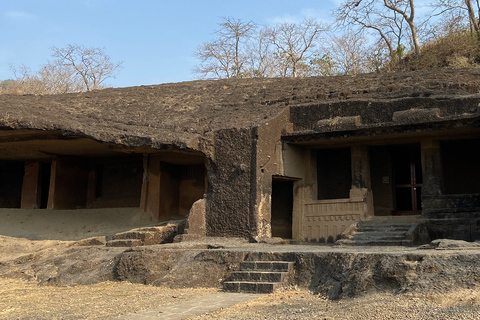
56, 279
21, 299
298, 304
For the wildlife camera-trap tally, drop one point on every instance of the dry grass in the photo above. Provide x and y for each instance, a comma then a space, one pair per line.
298, 304
20, 299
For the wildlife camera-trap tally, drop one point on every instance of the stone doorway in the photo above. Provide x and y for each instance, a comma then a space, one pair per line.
396, 177
282, 208
408, 180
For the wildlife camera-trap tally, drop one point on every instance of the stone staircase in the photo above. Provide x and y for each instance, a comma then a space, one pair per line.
144, 236
381, 231
260, 276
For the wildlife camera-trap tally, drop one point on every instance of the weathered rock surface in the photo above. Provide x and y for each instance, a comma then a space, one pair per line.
146, 236
93, 241
444, 244
178, 113
177, 268
340, 275
333, 272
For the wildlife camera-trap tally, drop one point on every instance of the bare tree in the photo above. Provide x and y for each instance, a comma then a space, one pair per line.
294, 43
234, 31
368, 16
26, 82
59, 78
406, 8
225, 57
457, 11
216, 59
387, 19
75, 69
242, 49
92, 65
349, 53
261, 59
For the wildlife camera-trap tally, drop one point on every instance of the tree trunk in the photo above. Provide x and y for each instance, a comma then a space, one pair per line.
471, 15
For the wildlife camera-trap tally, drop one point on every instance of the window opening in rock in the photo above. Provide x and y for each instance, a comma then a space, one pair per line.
334, 173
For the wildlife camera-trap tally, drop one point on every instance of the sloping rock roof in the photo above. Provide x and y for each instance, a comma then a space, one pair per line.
178, 113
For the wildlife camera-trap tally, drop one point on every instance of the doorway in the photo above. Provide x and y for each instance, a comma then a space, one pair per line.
282, 208
396, 176
408, 180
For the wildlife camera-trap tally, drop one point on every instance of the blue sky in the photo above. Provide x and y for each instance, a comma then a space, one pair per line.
155, 39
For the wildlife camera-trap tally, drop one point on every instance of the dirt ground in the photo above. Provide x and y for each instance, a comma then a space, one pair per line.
21, 299
299, 304
26, 299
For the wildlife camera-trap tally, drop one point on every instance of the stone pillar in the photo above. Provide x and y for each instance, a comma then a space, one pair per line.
160, 190
301, 163
152, 188
360, 167
32, 187
361, 181
431, 167
169, 192
91, 188
145, 181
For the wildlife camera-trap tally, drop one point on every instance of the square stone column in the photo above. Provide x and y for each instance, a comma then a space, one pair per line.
160, 189
361, 180
432, 171
32, 188
360, 168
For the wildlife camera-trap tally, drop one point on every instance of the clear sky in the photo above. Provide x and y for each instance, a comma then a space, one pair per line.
155, 39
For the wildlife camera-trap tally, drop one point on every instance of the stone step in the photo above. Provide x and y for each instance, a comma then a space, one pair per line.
378, 236
373, 242
149, 235
258, 276
251, 286
124, 243
279, 266
140, 235
362, 228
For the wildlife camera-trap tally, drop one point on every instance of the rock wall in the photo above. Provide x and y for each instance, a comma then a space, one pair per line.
332, 273
231, 184
400, 111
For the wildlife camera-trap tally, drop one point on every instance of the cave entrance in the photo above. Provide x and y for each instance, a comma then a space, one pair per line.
282, 208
